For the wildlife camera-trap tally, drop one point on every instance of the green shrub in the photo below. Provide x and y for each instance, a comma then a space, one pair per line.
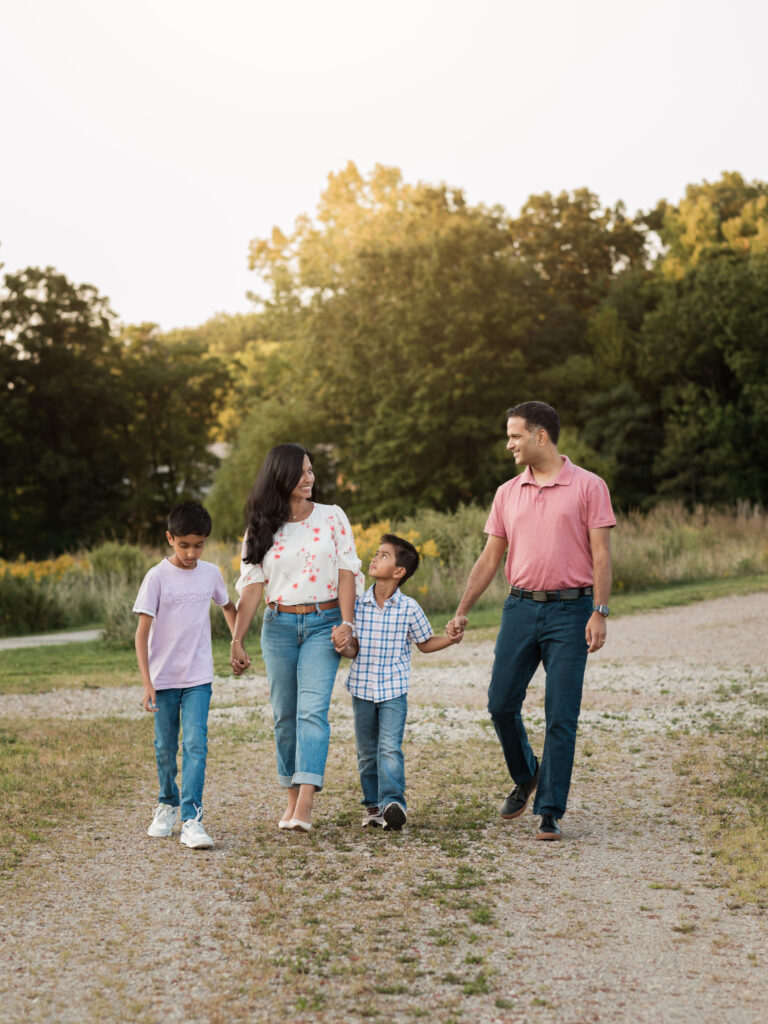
114, 562
29, 606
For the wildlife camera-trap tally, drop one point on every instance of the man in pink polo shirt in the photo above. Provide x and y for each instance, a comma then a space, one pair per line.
554, 521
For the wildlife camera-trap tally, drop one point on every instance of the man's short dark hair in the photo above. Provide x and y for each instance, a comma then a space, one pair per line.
537, 415
406, 555
189, 517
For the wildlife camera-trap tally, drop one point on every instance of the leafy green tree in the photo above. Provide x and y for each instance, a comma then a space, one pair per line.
61, 414
174, 391
576, 246
413, 324
727, 215
705, 348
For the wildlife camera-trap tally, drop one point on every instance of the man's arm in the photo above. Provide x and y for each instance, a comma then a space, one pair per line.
480, 577
600, 542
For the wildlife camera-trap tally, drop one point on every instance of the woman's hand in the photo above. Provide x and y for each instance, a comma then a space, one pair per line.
341, 637
238, 658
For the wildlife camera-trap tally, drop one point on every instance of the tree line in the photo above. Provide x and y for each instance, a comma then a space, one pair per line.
394, 328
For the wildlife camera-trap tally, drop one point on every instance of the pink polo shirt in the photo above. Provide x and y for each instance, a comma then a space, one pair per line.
547, 527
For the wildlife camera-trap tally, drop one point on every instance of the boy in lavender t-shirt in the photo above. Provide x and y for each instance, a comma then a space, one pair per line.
173, 648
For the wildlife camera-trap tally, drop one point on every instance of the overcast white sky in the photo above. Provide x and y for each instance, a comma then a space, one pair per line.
144, 143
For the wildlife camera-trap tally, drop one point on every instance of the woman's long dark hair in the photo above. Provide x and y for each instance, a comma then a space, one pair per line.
269, 503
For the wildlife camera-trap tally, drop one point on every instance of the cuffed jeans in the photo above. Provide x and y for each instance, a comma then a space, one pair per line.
186, 706
379, 737
551, 632
301, 667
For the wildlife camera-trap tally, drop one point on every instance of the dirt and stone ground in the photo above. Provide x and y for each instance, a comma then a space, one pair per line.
460, 918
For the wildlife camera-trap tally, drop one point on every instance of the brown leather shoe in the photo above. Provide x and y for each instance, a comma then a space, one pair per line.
549, 828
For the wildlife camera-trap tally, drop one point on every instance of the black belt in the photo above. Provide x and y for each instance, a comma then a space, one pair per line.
551, 595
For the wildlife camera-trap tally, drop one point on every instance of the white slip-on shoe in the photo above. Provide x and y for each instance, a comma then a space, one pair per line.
194, 835
163, 821
297, 825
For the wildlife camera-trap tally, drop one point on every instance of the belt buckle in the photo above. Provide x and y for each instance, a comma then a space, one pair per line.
539, 595
305, 609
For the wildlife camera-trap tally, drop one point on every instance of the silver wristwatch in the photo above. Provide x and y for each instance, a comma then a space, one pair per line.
603, 609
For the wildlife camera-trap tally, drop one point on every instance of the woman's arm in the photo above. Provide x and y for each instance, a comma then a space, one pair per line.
250, 600
346, 591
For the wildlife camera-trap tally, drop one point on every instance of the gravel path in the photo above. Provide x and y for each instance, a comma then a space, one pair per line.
627, 920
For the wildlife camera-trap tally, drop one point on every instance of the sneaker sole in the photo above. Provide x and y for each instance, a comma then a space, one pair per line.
197, 846
159, 835
394, 818
549, 836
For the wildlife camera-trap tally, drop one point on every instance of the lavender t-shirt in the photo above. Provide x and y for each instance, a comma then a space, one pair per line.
179, 602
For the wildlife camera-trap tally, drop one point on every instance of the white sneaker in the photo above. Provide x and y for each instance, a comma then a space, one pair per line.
163, 821
194, 835
373, 818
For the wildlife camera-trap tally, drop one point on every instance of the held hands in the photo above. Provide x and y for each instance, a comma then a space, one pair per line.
595, 632
455, 628
343, 641
239, 658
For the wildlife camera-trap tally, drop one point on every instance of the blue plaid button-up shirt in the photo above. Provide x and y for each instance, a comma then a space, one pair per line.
383, 666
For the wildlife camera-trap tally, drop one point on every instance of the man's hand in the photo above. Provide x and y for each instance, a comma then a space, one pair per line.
595, 632
455, 628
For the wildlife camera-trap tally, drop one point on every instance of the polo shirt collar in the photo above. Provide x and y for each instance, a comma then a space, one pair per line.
563, 478
370, 598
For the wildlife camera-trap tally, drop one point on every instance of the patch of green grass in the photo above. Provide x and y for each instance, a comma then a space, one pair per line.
88, 665
737, 821
53, 772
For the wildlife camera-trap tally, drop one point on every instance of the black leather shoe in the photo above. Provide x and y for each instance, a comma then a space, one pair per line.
549, 828
518, 799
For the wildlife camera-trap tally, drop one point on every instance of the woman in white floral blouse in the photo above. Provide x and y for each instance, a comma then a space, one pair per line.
301, 556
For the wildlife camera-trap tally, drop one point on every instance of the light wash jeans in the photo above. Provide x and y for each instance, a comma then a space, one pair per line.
551, 632
186, 706
301, 668
379, 737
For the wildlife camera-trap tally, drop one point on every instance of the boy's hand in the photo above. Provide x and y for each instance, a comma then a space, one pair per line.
341, 637
239, 658
149, 698
455, 628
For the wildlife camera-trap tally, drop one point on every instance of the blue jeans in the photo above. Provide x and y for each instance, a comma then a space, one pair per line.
379, 738
301, 668
551, 632
188, 706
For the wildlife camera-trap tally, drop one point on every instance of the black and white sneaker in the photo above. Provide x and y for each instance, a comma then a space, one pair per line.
373, 818
394, 817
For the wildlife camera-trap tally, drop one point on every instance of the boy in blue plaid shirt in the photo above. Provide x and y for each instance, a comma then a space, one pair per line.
387, 622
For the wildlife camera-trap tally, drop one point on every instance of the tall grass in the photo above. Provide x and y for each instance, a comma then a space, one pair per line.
669, 545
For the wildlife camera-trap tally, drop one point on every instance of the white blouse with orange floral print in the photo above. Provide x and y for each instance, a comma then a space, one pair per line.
302, 566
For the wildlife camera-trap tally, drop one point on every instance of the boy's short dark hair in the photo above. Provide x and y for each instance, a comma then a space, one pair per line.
406, 555
538, 414
189, 517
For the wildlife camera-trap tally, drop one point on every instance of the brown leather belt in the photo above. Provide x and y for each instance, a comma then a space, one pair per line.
305, 609
552, 595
